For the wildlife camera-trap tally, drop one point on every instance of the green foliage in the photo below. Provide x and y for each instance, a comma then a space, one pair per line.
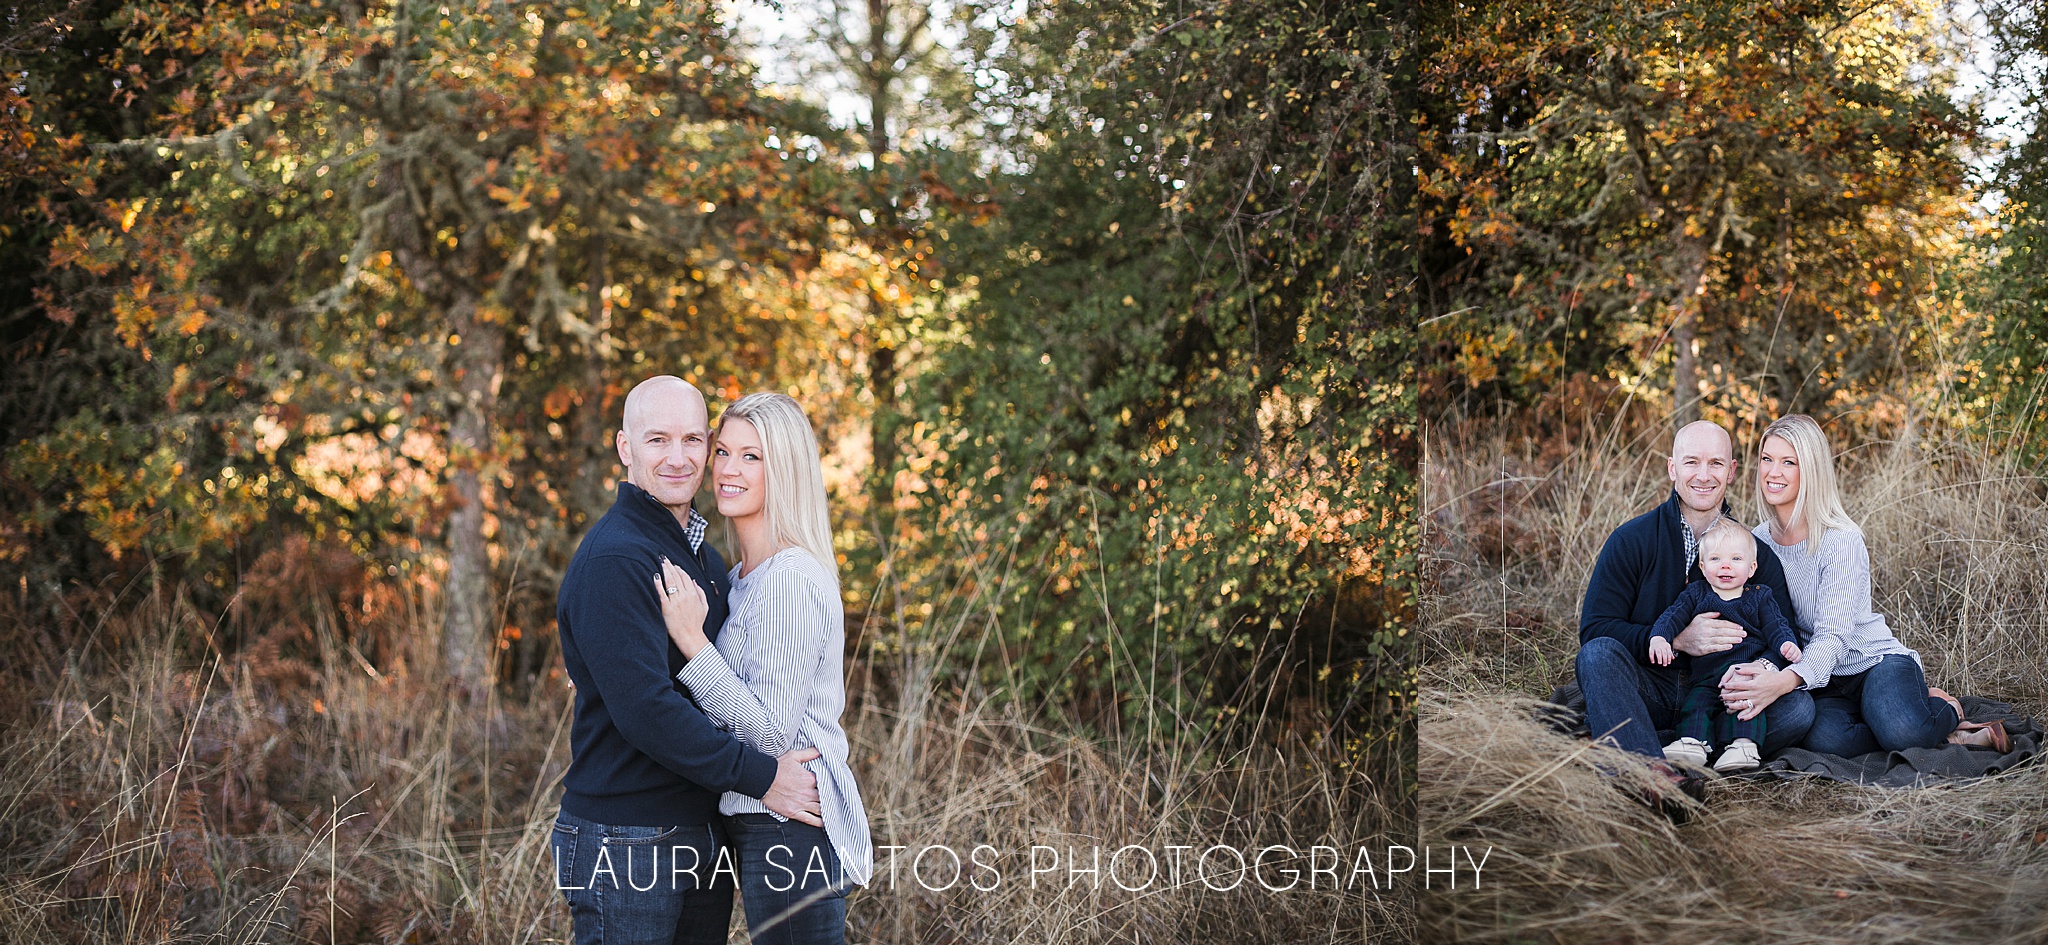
1179, 418
2004, 389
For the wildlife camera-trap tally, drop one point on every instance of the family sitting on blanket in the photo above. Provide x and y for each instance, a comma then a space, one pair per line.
1853, 688
1727, 558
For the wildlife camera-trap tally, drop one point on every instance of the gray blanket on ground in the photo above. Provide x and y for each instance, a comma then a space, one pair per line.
1921, 767
1914, 767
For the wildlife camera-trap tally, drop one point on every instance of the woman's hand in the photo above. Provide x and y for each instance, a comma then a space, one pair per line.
1750, 688
683, 608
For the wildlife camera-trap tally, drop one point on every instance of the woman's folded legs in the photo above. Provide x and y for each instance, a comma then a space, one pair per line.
1884, 708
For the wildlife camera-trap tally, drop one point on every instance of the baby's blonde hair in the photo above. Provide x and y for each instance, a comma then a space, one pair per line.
1726, 529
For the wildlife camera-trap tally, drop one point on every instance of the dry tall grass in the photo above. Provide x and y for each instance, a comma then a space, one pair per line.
153, 796
1959, 546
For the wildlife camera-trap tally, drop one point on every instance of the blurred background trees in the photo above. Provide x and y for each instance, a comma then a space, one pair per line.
1742, 207
398, 268
1100, 310
2006, 383
1175, 439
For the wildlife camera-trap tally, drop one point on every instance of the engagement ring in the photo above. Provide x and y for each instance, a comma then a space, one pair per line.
674, 590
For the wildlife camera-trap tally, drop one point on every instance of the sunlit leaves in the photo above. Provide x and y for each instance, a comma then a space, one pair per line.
1610, 180
337, 186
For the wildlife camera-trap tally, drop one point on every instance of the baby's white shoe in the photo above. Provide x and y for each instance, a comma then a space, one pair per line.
1689, 751
1740, 756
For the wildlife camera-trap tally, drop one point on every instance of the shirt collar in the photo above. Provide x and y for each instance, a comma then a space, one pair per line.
694, 531
1692, 541
693, 528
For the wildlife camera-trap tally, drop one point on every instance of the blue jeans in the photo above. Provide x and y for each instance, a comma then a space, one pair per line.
1635, 704
789, 881
1883, 708
634, 885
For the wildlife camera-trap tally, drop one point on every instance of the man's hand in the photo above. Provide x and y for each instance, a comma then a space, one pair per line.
1748, 689
795, 792
1707, 633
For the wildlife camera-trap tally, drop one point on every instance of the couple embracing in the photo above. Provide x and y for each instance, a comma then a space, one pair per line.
707, 752
1742, 642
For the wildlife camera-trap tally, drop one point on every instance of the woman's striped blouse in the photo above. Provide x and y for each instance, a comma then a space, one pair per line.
776, 679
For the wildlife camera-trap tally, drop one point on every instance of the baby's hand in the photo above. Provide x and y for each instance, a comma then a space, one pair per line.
1791, 651
1660, 651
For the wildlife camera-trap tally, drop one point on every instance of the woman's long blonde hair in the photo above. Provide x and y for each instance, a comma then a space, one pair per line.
795, 504
1819, 501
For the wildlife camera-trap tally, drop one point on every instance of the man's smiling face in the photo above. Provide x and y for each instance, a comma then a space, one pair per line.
666, 438
1702, 464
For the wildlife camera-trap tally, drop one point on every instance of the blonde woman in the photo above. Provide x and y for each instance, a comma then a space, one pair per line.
1869, 690
775, 676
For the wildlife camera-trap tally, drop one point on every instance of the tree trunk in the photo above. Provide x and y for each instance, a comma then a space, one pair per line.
478, 364
881, 78
1685, 378
882, 426
591, 493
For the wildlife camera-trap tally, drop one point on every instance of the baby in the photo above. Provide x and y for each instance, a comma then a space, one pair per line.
1727, 557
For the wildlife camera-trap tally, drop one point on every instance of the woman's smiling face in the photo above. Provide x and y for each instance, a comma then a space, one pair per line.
739, 470
1777, 473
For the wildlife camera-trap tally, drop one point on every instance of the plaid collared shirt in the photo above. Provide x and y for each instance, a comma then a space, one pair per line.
1692, 538
694, 531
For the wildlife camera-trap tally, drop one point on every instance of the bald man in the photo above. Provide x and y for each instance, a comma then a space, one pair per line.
640, 852
1642, 569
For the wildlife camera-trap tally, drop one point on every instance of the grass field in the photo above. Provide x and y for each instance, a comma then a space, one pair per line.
1959, 545
155, 790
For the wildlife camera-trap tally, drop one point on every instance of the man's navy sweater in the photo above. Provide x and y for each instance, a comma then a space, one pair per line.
642, 753
1642, 570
